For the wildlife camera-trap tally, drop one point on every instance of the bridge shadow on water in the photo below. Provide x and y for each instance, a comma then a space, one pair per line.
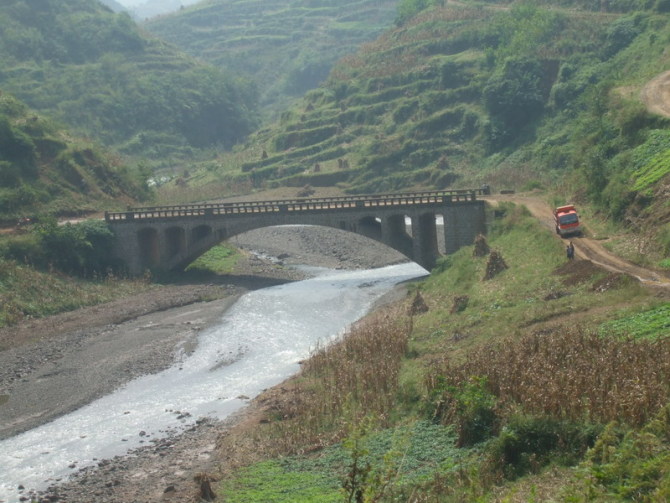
254, 281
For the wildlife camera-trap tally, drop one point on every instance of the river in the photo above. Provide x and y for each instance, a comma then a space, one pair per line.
257, 344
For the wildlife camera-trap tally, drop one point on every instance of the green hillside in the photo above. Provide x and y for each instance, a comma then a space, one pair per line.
96, 71
516, 94
286, 47
44, 169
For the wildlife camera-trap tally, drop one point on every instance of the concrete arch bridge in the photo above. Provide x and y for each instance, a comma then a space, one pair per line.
171, 237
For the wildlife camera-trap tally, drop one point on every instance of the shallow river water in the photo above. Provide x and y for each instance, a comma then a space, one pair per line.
257, 344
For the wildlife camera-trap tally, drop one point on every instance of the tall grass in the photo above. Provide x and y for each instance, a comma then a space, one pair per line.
342, 383
26, 292
570, 374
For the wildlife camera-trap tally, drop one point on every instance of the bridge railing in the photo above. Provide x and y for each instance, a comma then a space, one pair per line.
296, 205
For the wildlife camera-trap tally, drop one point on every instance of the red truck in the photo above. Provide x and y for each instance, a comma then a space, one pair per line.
567, 220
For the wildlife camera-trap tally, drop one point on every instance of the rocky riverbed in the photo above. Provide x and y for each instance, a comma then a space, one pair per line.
52, 366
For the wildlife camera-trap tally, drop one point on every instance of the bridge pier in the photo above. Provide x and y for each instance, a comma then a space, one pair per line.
394, 234
424, 240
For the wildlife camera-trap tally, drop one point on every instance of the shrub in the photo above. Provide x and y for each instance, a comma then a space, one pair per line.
621, 33
82, 249
527, 443
469, 406
514, 95
634, 465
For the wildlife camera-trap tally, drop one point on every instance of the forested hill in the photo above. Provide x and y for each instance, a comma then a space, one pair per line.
44, 169
286, 46
96, 71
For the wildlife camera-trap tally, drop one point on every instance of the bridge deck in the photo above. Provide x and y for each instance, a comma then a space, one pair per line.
297, 205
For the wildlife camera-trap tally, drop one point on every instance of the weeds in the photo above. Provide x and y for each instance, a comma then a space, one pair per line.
344, 382
571, 375
628, 465
26, 292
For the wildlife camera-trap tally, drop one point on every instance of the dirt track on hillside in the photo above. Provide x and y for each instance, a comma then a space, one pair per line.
656, 94
586, 247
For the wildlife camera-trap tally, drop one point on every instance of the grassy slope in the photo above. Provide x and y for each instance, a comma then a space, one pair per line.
286, 47
29, 293
392, 431
45, 170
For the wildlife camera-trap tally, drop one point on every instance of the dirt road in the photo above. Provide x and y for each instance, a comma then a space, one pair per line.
585, 247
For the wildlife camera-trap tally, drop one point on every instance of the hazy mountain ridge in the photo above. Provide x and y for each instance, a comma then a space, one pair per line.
99, 73
286, 47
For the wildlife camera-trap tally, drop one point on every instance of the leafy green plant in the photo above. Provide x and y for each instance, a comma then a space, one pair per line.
633, 465
528, 443
470, 406
649, 324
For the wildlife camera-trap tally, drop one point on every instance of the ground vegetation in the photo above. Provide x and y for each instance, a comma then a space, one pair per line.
46, 170
543, 387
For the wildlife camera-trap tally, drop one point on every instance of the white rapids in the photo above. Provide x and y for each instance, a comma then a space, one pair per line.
257, 344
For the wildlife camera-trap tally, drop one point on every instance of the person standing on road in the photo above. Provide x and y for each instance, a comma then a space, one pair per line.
570, 251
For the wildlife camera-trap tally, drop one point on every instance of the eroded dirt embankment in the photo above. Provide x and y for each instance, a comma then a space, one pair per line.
656, 94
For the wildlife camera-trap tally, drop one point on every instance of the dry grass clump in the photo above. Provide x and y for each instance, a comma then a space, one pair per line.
341, 383
495, 265
571, 375
481, 246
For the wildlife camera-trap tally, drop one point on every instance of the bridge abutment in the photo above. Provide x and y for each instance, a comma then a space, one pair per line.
462, 225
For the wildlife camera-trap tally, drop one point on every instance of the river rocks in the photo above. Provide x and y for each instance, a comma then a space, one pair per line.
318, 246
164, 468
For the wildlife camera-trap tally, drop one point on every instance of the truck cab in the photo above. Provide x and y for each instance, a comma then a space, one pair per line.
567, 221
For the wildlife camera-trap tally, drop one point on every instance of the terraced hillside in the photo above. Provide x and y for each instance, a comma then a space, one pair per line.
427, 103
514, 95
286, 47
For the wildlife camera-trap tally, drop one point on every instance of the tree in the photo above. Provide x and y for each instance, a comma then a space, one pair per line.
513, 95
